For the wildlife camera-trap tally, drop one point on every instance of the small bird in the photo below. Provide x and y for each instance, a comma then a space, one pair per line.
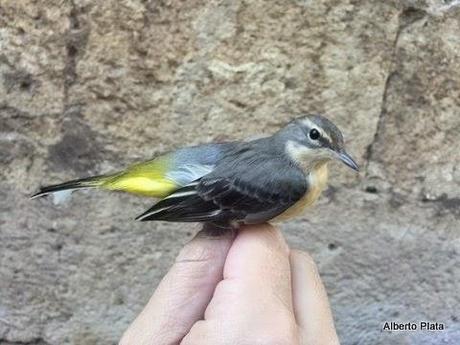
233, 183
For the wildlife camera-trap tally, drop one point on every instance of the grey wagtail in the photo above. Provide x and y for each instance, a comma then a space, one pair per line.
233, 183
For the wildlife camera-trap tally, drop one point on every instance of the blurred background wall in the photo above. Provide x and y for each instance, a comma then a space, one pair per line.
88, 87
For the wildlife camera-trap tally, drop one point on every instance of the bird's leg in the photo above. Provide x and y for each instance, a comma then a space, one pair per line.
218, 229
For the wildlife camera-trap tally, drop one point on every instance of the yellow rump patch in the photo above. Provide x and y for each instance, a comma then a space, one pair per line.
143, 186
146, 179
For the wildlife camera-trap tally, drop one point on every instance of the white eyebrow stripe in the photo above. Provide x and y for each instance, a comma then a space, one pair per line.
325, 135
309, 123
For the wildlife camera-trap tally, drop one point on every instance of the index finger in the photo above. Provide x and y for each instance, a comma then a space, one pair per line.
183, 294
259, 257
256, 272
311, 305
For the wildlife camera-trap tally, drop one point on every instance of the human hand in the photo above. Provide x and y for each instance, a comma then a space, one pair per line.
246, 290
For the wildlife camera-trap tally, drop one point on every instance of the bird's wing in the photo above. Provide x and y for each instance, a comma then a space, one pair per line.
246, 185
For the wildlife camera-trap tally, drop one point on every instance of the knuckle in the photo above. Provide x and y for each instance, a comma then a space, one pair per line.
193, 253
191, 272
195, 263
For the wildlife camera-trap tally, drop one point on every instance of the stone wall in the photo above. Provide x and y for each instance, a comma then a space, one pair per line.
88, 87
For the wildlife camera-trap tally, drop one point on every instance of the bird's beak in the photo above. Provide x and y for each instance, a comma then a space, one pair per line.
348, 161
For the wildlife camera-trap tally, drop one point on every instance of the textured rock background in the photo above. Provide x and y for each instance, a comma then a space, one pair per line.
90, 86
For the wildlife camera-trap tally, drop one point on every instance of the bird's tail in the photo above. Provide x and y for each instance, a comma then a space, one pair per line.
88, 182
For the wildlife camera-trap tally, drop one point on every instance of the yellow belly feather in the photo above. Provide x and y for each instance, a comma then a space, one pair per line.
317, 181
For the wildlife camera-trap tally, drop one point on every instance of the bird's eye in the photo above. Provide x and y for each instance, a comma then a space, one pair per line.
314, 134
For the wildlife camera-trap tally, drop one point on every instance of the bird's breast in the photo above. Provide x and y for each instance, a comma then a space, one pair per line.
317, 182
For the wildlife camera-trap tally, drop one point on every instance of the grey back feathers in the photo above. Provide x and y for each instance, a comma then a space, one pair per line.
191, 163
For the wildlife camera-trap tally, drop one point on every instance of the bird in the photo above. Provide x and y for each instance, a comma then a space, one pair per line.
229, 184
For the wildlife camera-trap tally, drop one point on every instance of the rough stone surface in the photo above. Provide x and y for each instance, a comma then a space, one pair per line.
90, 86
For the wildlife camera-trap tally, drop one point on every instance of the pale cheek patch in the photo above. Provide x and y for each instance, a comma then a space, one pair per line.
305, 156
298, 152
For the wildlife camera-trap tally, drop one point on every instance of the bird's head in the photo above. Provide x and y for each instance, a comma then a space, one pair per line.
314, 139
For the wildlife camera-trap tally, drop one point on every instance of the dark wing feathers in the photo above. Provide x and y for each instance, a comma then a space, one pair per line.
245, 183
180, 205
